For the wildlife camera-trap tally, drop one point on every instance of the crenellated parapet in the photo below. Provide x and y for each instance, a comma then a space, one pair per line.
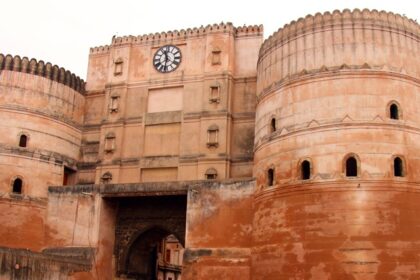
243, 31
329, 40
357, 18
40, 68
249, 30
100, 49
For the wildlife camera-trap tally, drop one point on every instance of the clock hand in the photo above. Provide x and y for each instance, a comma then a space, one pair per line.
166, 59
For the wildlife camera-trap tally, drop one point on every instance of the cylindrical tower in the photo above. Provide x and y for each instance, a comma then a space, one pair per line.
41, 107
337, 149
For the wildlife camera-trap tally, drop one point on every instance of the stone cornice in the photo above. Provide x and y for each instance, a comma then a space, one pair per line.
146, 188
345, 123
23, 200
342, 184
175, 81
64, 120
41, 155
335, 72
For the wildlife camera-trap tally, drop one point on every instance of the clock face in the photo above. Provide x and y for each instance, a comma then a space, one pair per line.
167, 59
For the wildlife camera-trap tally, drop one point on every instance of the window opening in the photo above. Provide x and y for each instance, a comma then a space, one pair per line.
393, 112
211, 174
106, 178
23, 141
306, 170
351, 167
168, 255
270, 177
273, 124
17, 186
213, 136
69, 176
398, 167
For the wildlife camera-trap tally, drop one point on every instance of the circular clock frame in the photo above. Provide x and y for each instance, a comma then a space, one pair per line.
167, 59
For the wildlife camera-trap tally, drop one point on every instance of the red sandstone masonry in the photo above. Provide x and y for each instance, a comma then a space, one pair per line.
339, 38
327, 82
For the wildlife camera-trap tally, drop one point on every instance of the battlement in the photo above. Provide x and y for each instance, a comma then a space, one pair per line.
39, 68
243, 31
369, 18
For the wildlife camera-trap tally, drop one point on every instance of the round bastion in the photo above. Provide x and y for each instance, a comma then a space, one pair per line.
42, 107
337, 149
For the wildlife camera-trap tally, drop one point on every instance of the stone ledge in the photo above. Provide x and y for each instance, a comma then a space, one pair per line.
22, 199
338, 185
193, 254
144, 189
26, 264
85, 254
163, 118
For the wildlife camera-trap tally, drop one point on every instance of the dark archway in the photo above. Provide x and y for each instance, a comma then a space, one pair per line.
142, 223
149, 256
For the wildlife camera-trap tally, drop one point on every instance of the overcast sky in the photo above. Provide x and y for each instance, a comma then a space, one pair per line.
62, 32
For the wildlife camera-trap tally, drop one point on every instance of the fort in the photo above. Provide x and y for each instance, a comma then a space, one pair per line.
211, 153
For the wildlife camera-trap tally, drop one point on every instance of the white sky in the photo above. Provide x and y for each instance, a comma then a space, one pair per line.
62, 32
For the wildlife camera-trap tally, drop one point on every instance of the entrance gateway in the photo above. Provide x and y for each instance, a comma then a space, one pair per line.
149, 230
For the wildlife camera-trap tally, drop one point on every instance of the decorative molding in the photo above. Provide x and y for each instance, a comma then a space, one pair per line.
59, 118
296, 188
333, 71
343, 123
38, 154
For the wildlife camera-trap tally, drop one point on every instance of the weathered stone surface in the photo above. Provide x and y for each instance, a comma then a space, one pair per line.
24, 264
103, 176
326, 83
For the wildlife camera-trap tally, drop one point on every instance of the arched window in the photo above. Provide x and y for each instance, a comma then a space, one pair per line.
394, 112
351, 167
23, 141
273, 125
398, 167
305, 170
270, 177
211, 174
106, 178
17, 186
